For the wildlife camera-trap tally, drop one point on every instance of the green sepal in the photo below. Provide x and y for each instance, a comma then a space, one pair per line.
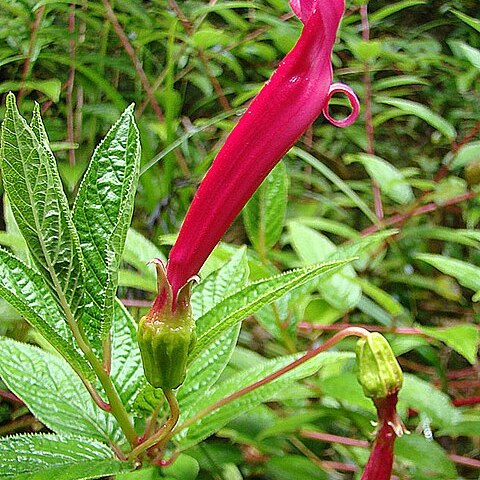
166, 335
165, 345
378, 371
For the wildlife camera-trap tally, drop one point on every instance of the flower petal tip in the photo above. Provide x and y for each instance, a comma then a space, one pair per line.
354, 104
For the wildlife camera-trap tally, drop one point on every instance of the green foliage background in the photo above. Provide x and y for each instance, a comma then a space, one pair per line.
202, 67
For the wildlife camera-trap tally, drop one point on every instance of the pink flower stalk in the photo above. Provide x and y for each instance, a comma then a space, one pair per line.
380, 463
296, 94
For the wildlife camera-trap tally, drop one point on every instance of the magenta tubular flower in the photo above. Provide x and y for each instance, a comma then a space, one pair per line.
380, 462
296, 94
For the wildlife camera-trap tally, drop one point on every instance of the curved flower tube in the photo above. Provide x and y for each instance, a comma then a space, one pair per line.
296, 94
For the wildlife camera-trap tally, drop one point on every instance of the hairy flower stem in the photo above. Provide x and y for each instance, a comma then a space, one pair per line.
163, 434
355, 331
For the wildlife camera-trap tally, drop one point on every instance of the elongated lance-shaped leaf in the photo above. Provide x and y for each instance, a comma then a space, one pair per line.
249, 299
62, 457
40, 207
270, 391
26, 290
204, 371
102, 214
54, 393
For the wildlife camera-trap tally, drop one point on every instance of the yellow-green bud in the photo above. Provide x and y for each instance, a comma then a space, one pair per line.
166, 335
378, 370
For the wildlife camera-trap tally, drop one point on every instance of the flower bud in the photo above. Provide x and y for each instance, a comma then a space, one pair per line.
378, 370
166, 335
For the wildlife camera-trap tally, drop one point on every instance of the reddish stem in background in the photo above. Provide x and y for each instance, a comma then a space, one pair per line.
352, 442
31, 46
10, 396
463, 402
429, 207
367, 82
143, 77
187, 25
359, 332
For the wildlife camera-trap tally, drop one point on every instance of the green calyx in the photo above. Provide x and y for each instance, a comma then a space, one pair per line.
378, 370
166, 335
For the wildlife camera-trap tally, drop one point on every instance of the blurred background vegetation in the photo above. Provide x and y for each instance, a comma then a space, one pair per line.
411, 162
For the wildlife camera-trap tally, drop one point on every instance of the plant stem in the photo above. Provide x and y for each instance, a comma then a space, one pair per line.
163, 434
117, 408
356, 331
424, 209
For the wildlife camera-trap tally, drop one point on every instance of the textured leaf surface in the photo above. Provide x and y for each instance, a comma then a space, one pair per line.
53, 392
26, 290
39, 205
246, 301
47, 457
127, 370
102, 215
217, 286
264, 213
204, 371
220, 417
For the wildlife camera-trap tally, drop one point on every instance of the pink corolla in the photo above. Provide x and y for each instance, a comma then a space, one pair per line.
297, 93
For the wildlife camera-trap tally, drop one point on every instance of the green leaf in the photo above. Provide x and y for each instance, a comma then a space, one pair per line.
421, 111
246, 301
270, 391
26, 290
139, 251
337, 181
385, 12
264, 213
339, 290
389, 179
102, 214
425, 456
59, 457
472, 22
425, 398
458, 235
51, 88
466, 51
465, 155
53, 392
467, 275
294, 467
211, 291
39, 205
464, 339
127, 370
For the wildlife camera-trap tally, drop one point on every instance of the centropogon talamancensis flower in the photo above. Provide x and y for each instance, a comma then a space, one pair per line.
296, 94
381, 378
